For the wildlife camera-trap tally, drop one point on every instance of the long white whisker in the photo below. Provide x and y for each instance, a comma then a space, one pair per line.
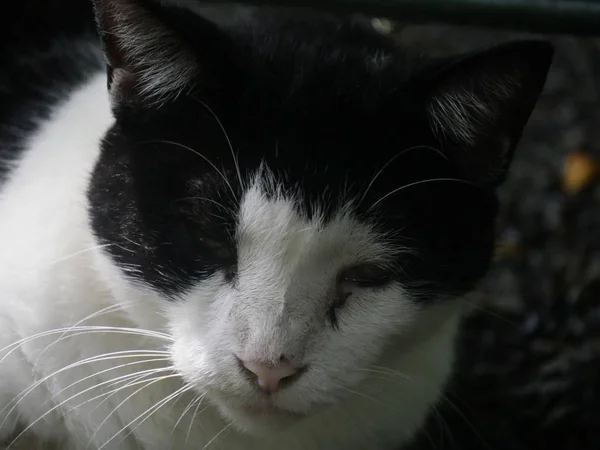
148, 413
225, 428
443, 425
102, 311
491, 313
189, 430
406, 186
368, 397
104, 357
233, 155
177, 144
125, 401
467, 421
174, 396
107, 356
190, 405
387, 371
124, 378
44, 415
390, 373
90, 329
110, 369
129, 383
79, 252
82, 333
392, 159
209, 200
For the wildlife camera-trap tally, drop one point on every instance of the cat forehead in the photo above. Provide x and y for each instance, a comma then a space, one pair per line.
283, 57
273, 226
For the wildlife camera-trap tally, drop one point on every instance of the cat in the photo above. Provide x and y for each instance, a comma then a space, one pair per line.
247, 234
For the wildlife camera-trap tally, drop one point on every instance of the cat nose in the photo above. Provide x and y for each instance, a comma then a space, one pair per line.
269, 376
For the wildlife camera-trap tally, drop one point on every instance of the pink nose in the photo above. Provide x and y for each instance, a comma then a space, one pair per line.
269, 376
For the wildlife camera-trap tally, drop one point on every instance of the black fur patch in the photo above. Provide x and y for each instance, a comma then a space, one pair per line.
325, 103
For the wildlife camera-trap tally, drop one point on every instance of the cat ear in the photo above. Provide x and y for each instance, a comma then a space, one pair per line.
480, 103
149, 51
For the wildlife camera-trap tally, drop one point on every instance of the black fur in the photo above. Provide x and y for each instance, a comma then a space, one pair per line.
41, 62
325, 103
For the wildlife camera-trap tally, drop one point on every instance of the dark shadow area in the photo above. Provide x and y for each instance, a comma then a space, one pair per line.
528, 375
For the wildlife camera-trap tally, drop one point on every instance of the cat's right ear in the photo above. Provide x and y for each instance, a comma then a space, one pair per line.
154, 53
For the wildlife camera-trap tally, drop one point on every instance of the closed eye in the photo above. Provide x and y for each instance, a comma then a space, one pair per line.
355, 278
365, 276
225, 254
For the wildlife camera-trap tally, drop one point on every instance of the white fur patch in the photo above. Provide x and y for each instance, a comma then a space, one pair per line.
286, 278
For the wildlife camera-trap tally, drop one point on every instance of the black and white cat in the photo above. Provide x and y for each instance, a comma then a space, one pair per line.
257, 237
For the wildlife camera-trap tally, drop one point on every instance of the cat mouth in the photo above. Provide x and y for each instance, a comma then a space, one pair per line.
266, 408
258, 408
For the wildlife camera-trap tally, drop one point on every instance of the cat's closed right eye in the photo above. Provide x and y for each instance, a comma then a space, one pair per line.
366, 275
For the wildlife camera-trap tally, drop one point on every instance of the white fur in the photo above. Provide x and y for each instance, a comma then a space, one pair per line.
53, 275
459, 112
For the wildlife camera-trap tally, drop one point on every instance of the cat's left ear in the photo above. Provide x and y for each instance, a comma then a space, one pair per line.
153, 51
479, 104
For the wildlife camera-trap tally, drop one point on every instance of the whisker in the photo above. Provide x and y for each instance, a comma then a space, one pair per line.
190, 405
368, 397
233, 155
82, 333
390, 372
79, 252
444, 427
400, 153
127, 399
86, 329
105, 357
225, 428
149, 412
358, 424
98, 313
125, 378
210, 200
385, 371
131, 241
467, 421
137, 376
416, 183
110, 369
42, 417
490, 313
173, 396
189, 430
177, 144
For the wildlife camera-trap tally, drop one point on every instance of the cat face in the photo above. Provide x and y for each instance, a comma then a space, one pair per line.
298, 191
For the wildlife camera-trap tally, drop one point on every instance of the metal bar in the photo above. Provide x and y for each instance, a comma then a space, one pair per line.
579, 17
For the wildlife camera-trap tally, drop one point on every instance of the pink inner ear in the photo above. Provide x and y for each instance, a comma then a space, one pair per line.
122, 83
124, 78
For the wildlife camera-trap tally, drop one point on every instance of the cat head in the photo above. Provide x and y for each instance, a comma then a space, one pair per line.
296, 190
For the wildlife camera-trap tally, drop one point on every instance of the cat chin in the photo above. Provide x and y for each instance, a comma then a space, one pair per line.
258, 418
258, 421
